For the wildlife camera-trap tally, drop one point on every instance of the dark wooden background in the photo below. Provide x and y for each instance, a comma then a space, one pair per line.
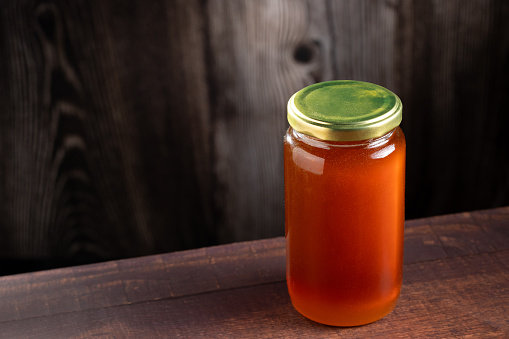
137, 127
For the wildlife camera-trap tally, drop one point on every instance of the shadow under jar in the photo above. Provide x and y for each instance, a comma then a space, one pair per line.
344, 157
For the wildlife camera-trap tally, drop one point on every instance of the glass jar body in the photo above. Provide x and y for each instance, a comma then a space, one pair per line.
344, 224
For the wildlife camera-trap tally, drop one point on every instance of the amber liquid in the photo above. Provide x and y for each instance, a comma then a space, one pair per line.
344, 223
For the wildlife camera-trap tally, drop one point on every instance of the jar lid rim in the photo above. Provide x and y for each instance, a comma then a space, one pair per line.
344, 110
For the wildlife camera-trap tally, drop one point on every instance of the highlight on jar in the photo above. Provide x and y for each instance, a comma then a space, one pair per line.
344, 168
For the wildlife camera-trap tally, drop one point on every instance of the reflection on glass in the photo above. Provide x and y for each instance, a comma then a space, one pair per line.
307, 161
383, 152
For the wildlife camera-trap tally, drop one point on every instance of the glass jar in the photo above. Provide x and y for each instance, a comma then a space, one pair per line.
344, 157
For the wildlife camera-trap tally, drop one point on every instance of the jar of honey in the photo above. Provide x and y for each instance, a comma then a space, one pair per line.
344, 157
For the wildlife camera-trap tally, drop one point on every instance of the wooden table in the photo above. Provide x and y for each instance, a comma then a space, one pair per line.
456, 284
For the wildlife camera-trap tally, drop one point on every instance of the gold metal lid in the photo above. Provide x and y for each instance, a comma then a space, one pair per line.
344, 110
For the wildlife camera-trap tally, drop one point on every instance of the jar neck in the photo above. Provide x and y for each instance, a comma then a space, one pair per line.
368, 143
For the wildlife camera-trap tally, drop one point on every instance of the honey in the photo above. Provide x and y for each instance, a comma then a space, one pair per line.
344, 203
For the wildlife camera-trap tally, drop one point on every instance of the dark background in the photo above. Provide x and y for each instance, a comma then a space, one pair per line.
130, 128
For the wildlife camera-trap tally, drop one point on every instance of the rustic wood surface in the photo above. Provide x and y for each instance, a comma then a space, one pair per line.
456, 284
129, 128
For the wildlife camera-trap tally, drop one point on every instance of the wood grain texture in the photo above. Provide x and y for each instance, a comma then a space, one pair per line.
438, 302
109, 155
456, 81
130, 129
141, 279
250, 75
238, 290
231, 266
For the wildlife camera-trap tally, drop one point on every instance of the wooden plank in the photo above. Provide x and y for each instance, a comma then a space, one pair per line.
453, 73
252, 78
459, 296
186, 273
149, 278
364, 34
106, 130
496, 226
421, 244
456, 235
